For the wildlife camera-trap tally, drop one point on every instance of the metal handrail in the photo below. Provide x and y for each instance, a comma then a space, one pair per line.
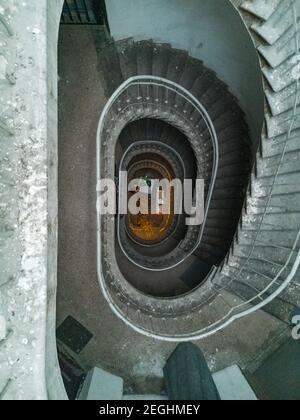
242, 309
188, 97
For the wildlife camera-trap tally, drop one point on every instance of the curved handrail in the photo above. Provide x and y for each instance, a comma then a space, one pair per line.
236, 312
192, 100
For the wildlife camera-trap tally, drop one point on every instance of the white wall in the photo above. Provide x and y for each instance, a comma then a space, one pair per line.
211, 30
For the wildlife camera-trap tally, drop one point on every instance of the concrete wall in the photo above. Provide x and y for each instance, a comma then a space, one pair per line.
211, 30
28, 200
54, 383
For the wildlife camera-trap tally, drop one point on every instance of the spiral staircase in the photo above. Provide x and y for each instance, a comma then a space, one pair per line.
248, 247
161, 85
249, 263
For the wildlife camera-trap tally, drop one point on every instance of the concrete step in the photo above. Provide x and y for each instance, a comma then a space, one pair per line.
260, 8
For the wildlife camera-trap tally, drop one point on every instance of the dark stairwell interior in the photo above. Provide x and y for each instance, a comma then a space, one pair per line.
91, 67
223, 216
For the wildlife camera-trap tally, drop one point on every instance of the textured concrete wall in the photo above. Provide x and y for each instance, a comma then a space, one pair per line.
54, 382
28, 123
211, 30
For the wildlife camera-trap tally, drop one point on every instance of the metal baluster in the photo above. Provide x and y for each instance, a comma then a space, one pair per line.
69, 10
86, 11
77, 10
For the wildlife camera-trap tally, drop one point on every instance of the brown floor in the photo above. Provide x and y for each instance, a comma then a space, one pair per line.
114, 346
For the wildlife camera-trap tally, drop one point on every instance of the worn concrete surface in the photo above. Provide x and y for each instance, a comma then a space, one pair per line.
114, 347
28, 32
279, 376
